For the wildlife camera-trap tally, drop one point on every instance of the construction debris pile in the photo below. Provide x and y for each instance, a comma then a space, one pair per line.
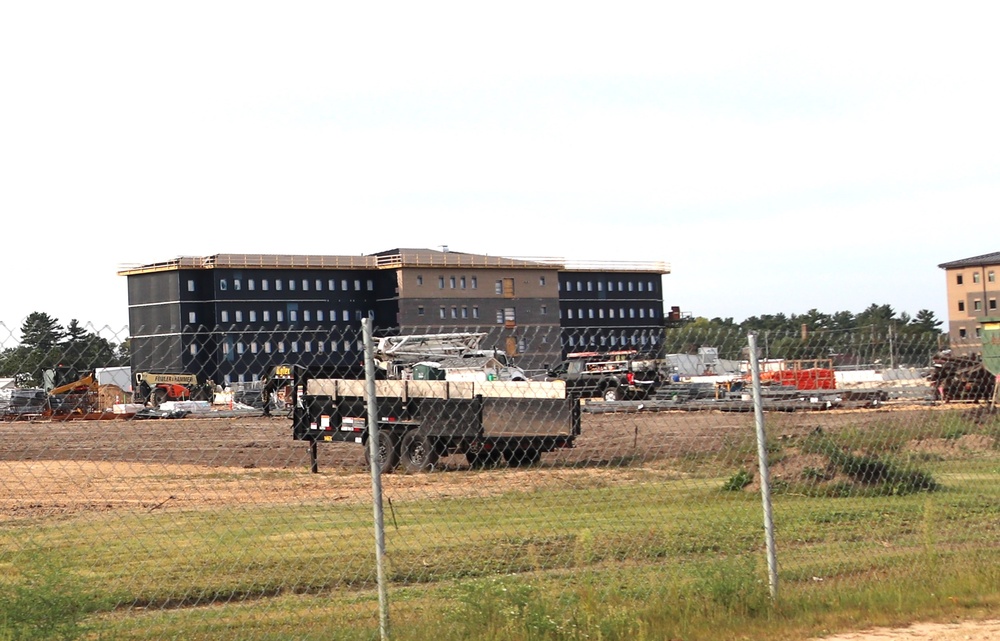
961, 378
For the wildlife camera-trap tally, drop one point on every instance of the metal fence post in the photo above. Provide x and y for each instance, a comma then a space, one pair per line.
375, 458
765, 472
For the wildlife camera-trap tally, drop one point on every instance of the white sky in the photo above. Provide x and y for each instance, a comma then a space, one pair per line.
780, 157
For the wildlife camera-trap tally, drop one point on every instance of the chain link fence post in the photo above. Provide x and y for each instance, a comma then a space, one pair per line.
765, 474
375, 457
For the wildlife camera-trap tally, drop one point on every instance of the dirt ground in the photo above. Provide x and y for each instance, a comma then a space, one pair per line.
50, 468
62, 468
958, 631
68, 467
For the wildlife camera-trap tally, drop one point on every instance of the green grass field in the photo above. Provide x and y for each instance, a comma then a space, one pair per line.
659, 555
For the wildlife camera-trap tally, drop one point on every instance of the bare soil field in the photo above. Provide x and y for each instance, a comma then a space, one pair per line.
64, 467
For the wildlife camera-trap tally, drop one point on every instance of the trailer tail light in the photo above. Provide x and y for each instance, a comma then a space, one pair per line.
630, 377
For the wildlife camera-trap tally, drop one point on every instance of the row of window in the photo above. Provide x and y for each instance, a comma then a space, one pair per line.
456, 312
264, 316
622, 286
990, 277
977, 305
460, 282
508, 314
472, 282
323, 347
599, 312
293, 284
454, 282
613, 340
281, 347
504, 315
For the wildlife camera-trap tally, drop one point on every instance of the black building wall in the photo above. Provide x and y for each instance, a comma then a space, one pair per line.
611, 310
155, 322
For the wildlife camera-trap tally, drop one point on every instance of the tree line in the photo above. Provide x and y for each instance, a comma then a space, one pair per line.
45, 344
877, 336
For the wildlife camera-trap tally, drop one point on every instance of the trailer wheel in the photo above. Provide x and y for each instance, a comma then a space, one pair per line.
388, 451
418, 452
522, 458
612, 393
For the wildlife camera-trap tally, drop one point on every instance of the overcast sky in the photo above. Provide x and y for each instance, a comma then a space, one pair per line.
780, 157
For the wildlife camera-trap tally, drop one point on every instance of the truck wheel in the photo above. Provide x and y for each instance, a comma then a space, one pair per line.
522, 458
388, 451
418, 452
612, 393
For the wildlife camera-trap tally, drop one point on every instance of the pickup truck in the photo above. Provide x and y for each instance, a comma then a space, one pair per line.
612, 376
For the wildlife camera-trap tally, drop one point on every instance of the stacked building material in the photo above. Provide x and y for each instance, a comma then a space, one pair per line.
961, 378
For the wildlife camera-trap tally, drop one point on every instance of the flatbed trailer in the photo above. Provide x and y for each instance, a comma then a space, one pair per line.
420, 421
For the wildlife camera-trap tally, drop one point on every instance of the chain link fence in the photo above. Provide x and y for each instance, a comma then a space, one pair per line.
613, 491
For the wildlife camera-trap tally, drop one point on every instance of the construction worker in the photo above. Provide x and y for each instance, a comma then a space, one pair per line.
265, 396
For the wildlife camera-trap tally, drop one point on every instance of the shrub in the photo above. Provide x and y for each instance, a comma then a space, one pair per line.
738, 481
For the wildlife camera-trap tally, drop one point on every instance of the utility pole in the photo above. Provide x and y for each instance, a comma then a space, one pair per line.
892, 349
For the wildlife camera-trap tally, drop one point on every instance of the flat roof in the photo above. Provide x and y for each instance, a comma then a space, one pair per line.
391, 259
